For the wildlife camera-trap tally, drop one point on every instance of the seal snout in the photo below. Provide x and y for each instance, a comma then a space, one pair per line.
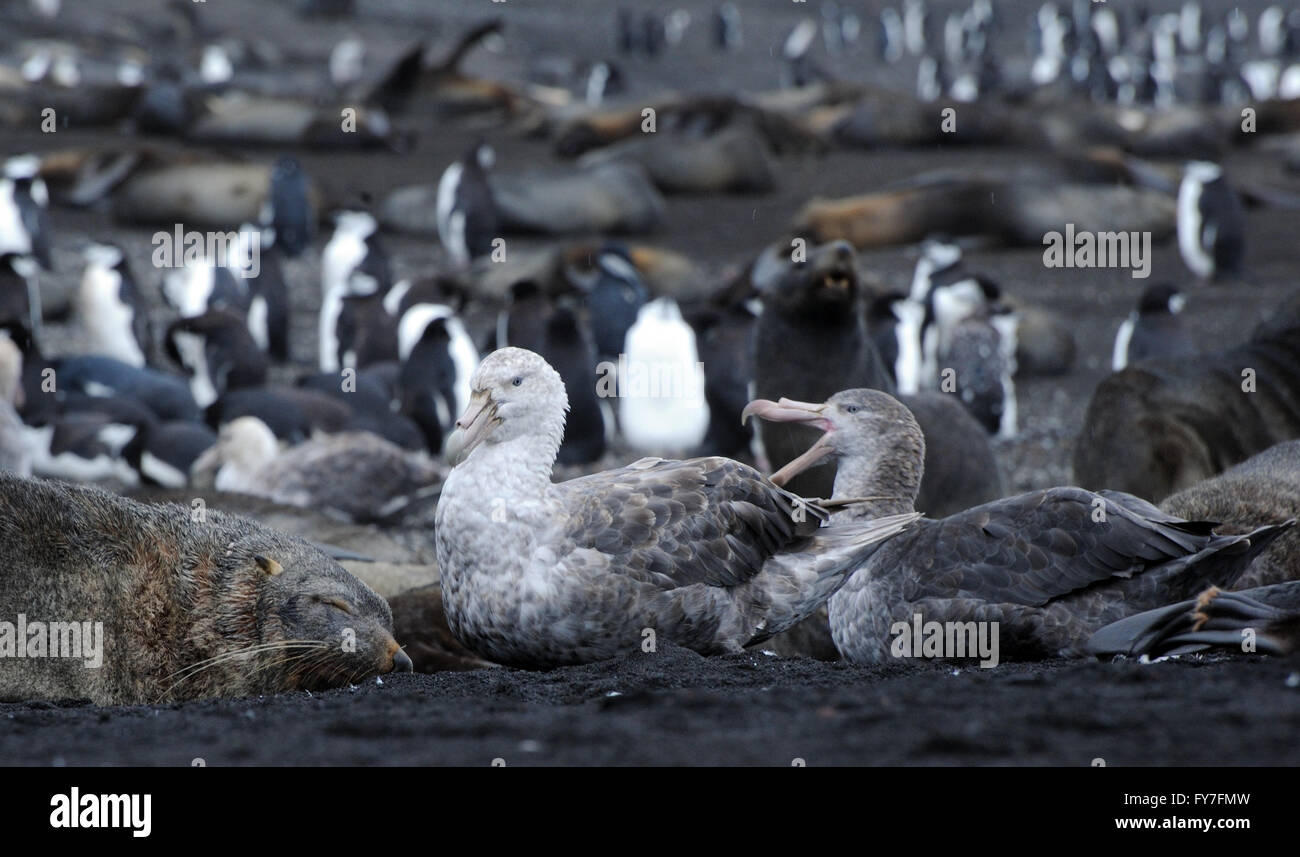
401, 661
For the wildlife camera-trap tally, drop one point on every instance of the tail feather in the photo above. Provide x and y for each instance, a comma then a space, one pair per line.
802, 581
1223, 559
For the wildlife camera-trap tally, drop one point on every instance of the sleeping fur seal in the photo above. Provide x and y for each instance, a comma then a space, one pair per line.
125, 603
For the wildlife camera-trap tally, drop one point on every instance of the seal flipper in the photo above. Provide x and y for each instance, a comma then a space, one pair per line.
1214, 619
1141, 632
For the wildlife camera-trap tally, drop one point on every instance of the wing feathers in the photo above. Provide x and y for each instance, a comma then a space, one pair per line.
704, 520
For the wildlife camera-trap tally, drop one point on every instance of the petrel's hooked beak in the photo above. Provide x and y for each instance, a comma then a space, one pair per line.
472, 428
790, 411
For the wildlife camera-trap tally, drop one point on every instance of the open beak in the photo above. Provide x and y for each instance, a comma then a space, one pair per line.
790, 411
472, 428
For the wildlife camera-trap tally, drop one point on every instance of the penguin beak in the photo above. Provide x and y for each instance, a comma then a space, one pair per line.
473, 427
790, 411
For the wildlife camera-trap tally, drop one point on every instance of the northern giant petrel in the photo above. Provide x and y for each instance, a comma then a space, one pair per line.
1050, 566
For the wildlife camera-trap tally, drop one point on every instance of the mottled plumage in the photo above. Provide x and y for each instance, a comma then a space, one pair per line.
1050, 566
354, 474
704, 552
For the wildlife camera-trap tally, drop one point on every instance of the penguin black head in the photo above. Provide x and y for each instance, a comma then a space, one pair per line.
109, 255
992, 291
563, 325
881, 308
217, 352
601, 79
30, 198
289, 207
1161, 298
618, 248
481, 156
523, 291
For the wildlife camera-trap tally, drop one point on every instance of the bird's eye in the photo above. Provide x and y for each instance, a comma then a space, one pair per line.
852, 409
518, 380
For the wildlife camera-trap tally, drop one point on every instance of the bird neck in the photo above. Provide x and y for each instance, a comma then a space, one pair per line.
888, 479
521, 465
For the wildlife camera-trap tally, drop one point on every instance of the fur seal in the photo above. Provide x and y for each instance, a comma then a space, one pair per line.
1212, 620
1165, 424
1014, 209
599, 198
767, 113
244, 120
201, 195
411, 86
189, 608
732, 160
1263, 489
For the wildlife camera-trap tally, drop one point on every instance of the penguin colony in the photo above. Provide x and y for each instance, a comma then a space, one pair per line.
234, 369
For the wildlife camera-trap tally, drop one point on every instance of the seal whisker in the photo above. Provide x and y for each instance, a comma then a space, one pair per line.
310, 664
324, 668
256, 648
279, 662
192, 670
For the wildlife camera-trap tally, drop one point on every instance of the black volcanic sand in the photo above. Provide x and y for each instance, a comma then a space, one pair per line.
675, 706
